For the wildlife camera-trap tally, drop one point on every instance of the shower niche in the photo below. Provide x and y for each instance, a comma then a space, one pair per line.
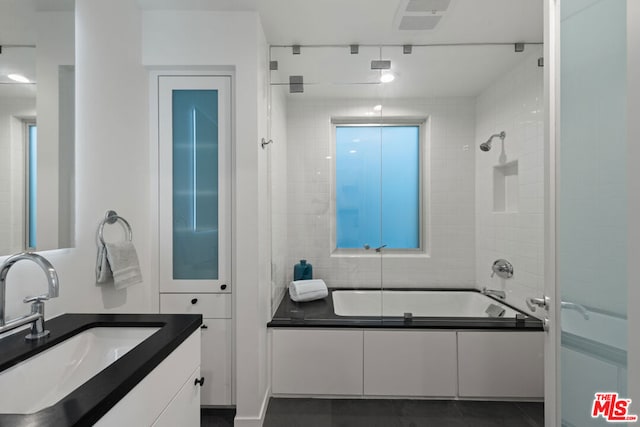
505, 188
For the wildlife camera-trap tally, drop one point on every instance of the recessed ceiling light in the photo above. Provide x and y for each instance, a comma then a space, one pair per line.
377, 108
18, 78
387, 77
352, 151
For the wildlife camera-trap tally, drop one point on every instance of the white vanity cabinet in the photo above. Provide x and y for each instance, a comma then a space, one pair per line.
194, 181
167, 396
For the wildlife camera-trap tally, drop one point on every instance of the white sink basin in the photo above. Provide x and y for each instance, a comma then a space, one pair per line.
47, 377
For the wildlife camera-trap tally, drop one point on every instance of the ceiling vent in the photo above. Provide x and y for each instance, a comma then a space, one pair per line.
427, 6
420, 15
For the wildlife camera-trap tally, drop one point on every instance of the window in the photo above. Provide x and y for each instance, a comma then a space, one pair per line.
377, 186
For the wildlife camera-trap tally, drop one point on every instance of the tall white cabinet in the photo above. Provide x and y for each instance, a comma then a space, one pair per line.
194, 170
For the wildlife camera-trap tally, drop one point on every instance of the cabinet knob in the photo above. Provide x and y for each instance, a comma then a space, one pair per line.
194, 300
223, 287
199, 381
204, 327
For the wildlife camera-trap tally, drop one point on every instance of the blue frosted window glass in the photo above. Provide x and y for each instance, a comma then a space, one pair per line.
378, 186
33, 184
195, 184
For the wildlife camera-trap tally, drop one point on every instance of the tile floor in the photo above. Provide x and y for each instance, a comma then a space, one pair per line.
389, 413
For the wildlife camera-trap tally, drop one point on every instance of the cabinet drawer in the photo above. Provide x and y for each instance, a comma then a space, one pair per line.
212, 306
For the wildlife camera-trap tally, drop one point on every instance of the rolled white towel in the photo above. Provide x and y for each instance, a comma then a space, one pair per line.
308, 290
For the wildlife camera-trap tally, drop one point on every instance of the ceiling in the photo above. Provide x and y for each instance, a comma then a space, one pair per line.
375, 22
427, 72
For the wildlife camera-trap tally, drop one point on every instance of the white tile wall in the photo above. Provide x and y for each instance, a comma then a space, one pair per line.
514, 103
450, 213
279, 208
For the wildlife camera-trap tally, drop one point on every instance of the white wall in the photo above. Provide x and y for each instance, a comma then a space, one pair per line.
449, 215
514, 104
112, 170
233, 42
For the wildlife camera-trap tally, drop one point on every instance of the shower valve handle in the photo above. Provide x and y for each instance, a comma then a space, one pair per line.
502, 268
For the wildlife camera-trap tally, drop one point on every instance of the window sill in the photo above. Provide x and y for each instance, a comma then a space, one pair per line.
388, 253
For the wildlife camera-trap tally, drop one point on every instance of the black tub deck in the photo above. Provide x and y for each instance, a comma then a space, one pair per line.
320, 314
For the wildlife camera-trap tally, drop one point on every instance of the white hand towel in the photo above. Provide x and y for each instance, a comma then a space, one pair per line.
307, 290
103, 272
120, 261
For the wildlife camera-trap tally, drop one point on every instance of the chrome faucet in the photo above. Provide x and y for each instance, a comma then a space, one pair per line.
577, 307
494, 292
36, 317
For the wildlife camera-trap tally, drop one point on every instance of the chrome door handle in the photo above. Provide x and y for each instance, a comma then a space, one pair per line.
533, 303
545, 324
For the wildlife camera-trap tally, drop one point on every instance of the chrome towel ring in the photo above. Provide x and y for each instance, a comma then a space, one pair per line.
111, 217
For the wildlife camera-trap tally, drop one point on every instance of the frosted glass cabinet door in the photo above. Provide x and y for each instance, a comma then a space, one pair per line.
194, 135
592, 221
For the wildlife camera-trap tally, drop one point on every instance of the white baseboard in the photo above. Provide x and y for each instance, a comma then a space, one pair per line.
258, 420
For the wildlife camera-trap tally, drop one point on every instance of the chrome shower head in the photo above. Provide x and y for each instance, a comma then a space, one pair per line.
486, 146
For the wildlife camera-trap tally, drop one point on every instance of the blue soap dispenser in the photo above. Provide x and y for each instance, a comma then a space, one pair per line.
302, 271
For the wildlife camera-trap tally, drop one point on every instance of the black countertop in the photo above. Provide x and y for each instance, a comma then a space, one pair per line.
320, 314
89, 402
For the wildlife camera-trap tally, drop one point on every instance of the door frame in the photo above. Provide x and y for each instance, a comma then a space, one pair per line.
633, 194
552, 377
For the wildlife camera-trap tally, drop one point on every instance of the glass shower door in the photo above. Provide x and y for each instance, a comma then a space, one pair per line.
324, 167
592, 211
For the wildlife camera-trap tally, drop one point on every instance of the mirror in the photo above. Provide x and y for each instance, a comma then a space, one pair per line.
37, 81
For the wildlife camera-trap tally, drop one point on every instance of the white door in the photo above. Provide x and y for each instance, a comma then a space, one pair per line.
587, 249
194, 133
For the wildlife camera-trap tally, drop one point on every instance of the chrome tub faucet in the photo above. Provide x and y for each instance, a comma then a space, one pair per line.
494, 292
36, 317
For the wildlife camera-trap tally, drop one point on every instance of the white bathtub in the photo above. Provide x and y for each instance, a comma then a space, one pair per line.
418, 303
